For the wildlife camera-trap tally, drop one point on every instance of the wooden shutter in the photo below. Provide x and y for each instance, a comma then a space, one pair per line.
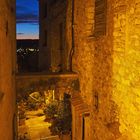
100, 17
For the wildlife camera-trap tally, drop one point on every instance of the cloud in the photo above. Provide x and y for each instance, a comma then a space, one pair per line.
27, 18
20, 33
26, 12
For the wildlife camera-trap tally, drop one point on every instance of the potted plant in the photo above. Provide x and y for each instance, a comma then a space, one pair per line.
60, 117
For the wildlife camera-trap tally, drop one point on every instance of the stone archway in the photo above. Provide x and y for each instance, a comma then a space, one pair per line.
34, 89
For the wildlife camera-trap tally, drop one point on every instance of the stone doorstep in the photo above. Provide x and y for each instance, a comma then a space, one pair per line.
51, 138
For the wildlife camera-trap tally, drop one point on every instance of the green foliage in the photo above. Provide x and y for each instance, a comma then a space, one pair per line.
22, 114
32, 105
51, 109
34, 101
60, 116
23, 137
23, 93
21, 110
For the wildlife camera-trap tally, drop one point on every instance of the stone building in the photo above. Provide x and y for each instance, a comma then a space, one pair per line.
107, 43
105, 38
7, 69
53, 51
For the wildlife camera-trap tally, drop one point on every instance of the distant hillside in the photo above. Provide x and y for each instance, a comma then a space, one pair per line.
27, 43
27, 55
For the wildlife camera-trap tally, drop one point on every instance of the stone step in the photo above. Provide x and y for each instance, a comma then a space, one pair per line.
50, 138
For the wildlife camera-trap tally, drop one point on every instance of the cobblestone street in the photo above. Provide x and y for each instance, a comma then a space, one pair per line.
36, 128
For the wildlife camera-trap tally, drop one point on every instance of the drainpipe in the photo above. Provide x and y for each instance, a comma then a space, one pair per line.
72, 36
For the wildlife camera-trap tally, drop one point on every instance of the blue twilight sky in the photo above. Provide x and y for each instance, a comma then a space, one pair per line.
27, 19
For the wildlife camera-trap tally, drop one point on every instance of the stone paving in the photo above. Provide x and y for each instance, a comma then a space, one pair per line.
36, 128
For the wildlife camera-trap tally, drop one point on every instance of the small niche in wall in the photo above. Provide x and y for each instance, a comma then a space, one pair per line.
1, 95
6, 28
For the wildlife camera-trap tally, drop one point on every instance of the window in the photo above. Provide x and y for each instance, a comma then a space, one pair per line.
45, 38
61, 34
45, 10
100, 17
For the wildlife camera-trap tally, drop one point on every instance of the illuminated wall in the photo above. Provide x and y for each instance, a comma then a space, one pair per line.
7, 69
109, 70
108, 66
126, 67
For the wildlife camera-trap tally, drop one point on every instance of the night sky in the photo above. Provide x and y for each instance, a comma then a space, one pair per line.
27, 19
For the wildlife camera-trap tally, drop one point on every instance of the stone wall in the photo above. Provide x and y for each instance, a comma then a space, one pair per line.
44, 49
108, 69
52, 34
107, 66
93, 62
60, 83
126, 66
7, 69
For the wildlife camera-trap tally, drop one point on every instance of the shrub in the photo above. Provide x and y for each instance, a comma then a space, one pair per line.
60, 115
51, 109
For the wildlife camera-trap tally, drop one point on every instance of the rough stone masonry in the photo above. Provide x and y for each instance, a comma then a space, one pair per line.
7, 69
109, 69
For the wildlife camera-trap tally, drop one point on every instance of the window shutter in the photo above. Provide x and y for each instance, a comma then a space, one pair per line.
100, 17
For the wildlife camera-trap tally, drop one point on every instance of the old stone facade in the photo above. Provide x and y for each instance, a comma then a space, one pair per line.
7, 70
104, 37
53, 51
60, 83
108, 68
